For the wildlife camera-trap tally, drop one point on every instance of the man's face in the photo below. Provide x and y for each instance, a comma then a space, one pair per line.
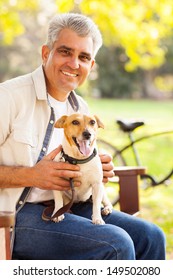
68, 63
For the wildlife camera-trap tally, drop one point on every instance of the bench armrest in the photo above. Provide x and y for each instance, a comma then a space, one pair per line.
128, 182
6, 222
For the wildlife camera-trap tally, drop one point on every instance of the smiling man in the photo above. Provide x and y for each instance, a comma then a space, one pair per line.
67, 63
29, 108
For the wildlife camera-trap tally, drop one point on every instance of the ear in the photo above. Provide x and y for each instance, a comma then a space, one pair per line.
99, 123
60, 122
45, 53
92, 63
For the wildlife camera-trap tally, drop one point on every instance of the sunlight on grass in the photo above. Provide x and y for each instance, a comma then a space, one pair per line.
156, 206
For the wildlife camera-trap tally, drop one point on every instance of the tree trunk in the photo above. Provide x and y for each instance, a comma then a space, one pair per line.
149, 90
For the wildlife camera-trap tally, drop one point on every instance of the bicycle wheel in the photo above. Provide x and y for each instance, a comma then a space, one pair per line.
105, 147
156, 153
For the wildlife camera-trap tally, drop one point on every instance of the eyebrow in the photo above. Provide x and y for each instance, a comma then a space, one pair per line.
72, 50
65, 47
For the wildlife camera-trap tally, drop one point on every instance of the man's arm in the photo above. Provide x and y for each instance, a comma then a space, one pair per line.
46, 174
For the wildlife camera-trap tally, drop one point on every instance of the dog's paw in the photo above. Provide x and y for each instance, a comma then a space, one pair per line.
98, 221
58, 219
107, 210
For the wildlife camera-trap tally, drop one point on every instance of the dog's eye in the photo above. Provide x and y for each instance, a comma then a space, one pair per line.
92, 122
75, 122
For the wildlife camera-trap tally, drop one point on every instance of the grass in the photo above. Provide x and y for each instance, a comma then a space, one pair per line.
156, 203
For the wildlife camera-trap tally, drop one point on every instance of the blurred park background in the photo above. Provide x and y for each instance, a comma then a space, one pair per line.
132, 77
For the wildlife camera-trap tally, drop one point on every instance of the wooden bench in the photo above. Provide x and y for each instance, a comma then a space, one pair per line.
6, 222
129, 190
129, 203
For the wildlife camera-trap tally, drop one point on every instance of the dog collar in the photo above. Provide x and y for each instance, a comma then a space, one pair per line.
78, 161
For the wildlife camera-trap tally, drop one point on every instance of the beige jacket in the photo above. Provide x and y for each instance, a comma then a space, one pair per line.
24, 116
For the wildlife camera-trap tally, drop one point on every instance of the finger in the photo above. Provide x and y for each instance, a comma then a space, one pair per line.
105, 180
105, 158
62, 184
77, 183
65, 183
68, 173
108, 174
65, 166
53, 154
107, 166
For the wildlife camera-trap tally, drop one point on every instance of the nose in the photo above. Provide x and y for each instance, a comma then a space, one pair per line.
73, 63
86, 134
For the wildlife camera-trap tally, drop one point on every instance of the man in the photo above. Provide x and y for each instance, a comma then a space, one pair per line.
29, 106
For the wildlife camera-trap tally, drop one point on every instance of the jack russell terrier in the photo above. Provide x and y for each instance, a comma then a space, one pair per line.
79, 147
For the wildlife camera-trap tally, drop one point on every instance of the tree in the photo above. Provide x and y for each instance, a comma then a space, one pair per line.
141, 29
10, 23
138, 26
113, 81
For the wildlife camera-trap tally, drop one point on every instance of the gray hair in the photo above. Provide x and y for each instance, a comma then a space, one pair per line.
79, 23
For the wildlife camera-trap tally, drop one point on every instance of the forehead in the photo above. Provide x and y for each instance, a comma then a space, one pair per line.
72, 40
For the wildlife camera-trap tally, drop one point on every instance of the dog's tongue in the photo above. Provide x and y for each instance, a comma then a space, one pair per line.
84, 147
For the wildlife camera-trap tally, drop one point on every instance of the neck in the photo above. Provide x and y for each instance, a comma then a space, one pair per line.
57, 95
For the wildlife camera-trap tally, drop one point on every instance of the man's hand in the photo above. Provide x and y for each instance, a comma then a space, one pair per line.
52, 175
107, 166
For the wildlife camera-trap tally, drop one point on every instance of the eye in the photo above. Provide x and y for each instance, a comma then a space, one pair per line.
92, 122
75, 122
64, 51
85, 58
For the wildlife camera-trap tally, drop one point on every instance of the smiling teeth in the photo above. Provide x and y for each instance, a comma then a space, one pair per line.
69, 74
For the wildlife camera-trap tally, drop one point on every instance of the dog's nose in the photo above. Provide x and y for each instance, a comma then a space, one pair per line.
86, 134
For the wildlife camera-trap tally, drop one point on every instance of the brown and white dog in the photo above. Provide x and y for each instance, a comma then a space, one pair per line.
80, 132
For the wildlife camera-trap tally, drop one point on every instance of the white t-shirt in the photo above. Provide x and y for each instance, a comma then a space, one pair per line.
60, 109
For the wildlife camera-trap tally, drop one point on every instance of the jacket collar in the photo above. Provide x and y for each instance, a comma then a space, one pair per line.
40, 88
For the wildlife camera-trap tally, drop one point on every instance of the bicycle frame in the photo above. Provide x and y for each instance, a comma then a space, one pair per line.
143, 138
132, 143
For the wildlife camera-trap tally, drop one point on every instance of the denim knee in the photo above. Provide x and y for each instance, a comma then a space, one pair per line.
158, 243
152, 243
119, 244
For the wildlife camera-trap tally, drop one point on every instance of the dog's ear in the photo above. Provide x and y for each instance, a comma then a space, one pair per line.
60, 122
99, 123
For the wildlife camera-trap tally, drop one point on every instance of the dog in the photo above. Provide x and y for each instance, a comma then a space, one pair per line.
79, 143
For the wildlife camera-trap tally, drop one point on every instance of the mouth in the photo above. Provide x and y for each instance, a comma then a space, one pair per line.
84, 146
69, 74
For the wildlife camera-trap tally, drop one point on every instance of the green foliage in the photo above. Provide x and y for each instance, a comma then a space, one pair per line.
113, 81
10, 24
65, 6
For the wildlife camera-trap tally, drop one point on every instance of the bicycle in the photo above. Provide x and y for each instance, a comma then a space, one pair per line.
119, 158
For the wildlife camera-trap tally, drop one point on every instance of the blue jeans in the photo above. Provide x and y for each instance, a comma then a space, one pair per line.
123, 237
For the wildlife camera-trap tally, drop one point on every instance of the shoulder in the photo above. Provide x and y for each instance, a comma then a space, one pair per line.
29, 84
16, 83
